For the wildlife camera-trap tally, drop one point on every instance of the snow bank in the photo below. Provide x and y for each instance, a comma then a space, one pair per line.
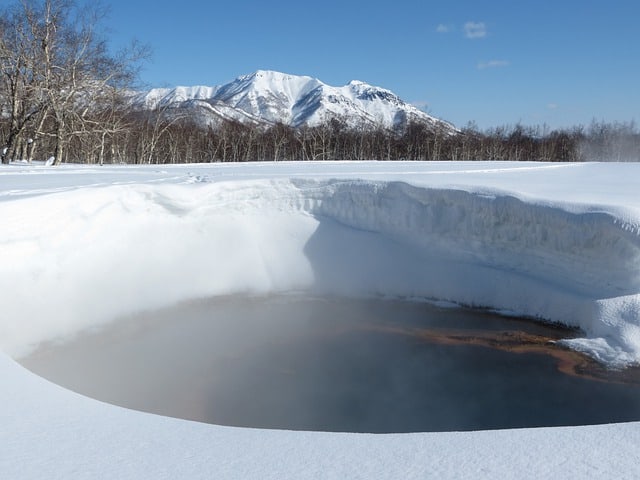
570, 264
77, 259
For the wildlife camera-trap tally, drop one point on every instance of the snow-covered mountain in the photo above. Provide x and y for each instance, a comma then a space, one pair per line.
268, 97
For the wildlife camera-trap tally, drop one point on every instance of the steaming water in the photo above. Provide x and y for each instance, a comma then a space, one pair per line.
307, 363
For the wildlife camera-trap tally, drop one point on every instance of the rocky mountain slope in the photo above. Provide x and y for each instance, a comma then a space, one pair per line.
267, 97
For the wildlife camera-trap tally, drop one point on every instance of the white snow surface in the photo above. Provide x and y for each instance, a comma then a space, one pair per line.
81, 246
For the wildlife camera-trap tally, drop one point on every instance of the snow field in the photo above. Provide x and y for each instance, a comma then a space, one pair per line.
81, 246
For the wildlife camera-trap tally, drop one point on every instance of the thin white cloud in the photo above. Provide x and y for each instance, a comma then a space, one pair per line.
493, 64
442, 28
552, 106
475, 30
421, 105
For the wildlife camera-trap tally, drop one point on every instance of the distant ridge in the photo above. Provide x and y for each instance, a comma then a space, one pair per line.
266, 98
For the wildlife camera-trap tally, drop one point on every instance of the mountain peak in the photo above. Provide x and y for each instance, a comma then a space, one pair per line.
268, 97
273, 74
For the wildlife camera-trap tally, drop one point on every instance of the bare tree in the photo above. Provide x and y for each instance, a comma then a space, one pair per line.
22, 97
57, 69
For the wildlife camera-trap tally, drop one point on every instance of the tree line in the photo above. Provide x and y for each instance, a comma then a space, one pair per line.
64, 95
150, 137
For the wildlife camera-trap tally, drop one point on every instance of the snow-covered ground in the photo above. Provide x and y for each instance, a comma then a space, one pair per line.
80, 246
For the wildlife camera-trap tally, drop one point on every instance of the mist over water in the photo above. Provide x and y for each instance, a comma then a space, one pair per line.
331, 364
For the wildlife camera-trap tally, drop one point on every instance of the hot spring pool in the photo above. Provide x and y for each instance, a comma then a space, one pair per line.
335, 364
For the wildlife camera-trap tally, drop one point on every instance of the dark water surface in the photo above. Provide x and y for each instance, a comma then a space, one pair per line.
332, 364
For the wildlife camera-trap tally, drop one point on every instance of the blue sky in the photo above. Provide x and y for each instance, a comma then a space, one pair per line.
492, 62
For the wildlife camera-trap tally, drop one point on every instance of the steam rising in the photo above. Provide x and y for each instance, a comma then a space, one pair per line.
617, 142
301, 363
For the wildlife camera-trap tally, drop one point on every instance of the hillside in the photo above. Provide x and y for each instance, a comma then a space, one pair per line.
268, 97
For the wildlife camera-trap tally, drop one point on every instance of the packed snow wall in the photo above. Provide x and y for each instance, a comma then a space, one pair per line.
571, 264
585, 251
78, 259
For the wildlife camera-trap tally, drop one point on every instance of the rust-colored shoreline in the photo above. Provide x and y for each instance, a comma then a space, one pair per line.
569, 362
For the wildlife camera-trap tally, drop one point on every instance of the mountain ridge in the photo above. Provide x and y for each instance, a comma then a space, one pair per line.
267, 97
